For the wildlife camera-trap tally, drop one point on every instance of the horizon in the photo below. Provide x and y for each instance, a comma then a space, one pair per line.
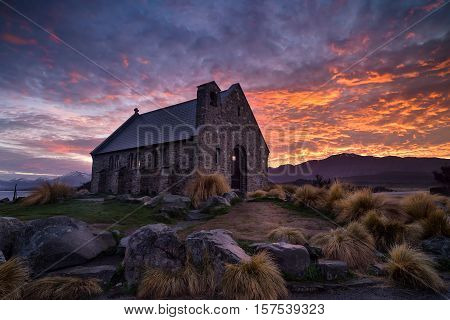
360, 77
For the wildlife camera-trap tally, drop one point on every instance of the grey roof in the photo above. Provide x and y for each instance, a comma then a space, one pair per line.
168, 124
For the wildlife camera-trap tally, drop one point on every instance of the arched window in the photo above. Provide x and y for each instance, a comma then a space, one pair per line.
117, 162
155, 159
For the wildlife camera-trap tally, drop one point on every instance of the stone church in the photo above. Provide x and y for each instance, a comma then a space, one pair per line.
161, 150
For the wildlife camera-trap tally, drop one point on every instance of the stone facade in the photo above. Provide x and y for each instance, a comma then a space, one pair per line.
226, 139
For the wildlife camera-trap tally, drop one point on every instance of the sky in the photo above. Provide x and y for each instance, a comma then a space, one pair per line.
322, 77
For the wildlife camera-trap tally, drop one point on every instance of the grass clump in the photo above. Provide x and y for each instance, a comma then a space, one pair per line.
62, 288
335, 193
291, 188
412, 268
357, 204
287, 234
14, 274
352, 244
257, 194
203, 186
308, 195
158, 283
436, 223
419, 205
256, 279
386, 232
277, 193
48, 193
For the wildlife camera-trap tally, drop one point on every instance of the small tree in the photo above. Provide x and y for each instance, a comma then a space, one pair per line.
443, 176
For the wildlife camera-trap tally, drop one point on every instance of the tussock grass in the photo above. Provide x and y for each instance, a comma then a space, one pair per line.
203, 186
291, 188
352, 244
309, 195
386, 232
14, 274
257, 194
436, 223
158, 283
256, 279
419, 205
277, 193
287, 234
412, 268
357, 204
48, 193
62, 288
335, 193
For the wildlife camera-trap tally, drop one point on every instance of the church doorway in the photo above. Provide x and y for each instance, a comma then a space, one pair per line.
239, 169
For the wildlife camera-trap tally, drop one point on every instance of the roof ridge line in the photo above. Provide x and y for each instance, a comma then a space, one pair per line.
174, 105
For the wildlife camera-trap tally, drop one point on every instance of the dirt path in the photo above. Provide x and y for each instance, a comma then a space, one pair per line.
252, 221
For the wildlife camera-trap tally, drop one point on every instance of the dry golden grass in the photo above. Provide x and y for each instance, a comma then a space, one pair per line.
203, 186
352, 244
62, 288
309, 195
386, 232
158, 284
277, 193
257, 194
335, 193
357, 204
14, 274
435, 223
291, 188
287, 234
256, 279
419, 205
48, 193
412, 268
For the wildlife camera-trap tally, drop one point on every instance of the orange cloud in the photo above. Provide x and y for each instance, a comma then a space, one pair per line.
373, 77
13, 39
125, 61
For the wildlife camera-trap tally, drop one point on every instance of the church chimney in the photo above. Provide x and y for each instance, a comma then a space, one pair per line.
207, 97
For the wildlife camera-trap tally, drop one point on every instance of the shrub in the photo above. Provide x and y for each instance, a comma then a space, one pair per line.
13, 275
203, 186
357, 204
257, 194
309, 195
48, 193
277, 193
386, 232
158, 283
352, 244
259, 278
62, 288
419, 205
412, 268
289, 235
436, 223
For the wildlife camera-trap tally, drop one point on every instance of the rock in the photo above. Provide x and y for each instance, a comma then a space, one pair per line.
144, 199
10, 230
58, 242
438, 246
170, 204
231, 196
2, 257
315, 253
154, 245
215, 201
110, 197
378, 269
292, 259
214, 248
194, 215
122, 246
332, 269
102, 273
4, 200
128, 198
82, 193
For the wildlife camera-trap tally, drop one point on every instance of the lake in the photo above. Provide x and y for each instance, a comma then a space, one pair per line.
10, 194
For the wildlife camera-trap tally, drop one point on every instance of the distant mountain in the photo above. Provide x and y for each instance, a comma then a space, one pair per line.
74, 179
367, 170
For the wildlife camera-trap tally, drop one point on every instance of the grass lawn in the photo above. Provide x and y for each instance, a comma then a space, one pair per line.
106, 212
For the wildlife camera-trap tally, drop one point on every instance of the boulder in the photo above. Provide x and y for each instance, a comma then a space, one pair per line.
332, 269
103, 273
378, 269
194, 215
438, 246
292, 259
214, 248
2, 257
10, 230
154, 245
58, 242
144, 199
170, 204
231, 196
215, 205
122, 246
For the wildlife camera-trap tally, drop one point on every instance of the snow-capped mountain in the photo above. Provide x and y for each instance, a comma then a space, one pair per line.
74, 179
